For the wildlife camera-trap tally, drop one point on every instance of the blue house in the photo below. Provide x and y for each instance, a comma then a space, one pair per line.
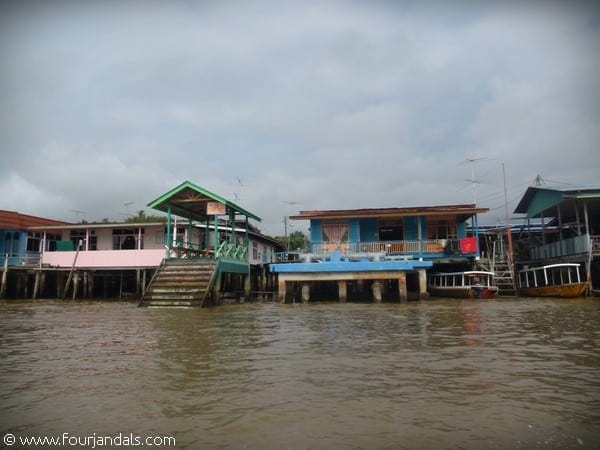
18, 244
383, 246
20, 250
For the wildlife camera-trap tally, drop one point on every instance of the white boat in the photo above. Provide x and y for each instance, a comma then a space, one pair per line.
553, 280
469, 284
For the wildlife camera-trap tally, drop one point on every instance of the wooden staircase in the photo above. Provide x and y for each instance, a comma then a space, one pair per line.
181, 283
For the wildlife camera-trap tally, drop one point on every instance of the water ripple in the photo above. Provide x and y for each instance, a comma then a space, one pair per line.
439, 374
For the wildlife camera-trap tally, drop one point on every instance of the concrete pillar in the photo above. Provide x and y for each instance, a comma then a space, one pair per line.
402, 292
282, 292
342, 291
305, 292
423, 294
377, 289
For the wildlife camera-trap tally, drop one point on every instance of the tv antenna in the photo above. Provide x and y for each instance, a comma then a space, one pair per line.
77, 213
126, 206
240, 185
473, 180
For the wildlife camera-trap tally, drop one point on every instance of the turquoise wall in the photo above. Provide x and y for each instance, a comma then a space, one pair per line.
353, 230
315, 231
368, 229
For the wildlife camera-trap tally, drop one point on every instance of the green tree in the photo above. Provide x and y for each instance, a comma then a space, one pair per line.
298, 241
142, 217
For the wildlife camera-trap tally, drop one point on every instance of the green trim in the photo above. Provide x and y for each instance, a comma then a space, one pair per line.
163, 202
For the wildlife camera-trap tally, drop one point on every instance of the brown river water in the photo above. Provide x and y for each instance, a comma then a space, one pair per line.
457, 374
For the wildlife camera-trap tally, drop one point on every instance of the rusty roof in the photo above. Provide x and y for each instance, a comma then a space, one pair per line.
468, 209
17, 221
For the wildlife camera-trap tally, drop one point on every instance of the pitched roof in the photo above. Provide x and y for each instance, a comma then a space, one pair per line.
553, 197
190, 201
391, 212
17, 221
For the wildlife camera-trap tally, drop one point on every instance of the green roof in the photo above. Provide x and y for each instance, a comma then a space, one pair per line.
190, 201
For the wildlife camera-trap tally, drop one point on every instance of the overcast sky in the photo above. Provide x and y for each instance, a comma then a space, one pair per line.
287, 106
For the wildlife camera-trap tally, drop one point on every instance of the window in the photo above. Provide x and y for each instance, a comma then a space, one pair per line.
76, 236
11, 243
335, 231
438, 228
391, 230
127, 238
33, 241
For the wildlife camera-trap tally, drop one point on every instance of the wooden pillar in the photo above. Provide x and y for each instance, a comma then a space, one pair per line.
282, 293
143, 281
247, 285
75, 284
4, 277
217, 290
377, 289
20, 287
138, 281
342, 291
86, 285
42, 283
59, 285
36, 284
402, 287
305, 292
423, 293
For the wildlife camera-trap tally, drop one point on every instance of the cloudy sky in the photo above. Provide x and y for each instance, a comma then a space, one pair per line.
283, 106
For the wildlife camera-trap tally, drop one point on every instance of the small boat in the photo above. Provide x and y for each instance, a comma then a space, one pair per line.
553, 280
470, 284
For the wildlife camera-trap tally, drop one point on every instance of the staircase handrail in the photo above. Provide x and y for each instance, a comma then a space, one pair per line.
210, 284
150, 283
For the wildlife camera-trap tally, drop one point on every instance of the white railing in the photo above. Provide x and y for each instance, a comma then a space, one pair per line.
429, 246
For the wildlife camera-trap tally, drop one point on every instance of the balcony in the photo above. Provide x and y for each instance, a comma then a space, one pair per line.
21, 259
412, 248
567, 247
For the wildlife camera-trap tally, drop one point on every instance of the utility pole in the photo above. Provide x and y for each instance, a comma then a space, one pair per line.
508, 229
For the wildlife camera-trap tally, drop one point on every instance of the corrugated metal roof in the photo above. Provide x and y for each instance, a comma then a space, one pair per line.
469, 209
17, 221
581, 192
190, 201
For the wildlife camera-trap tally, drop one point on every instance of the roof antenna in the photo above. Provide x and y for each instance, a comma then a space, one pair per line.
539, 180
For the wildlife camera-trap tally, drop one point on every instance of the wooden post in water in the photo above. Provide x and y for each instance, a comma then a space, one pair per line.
247, 285
75, 284
64, 294
342, 291
4, 277
36, 284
